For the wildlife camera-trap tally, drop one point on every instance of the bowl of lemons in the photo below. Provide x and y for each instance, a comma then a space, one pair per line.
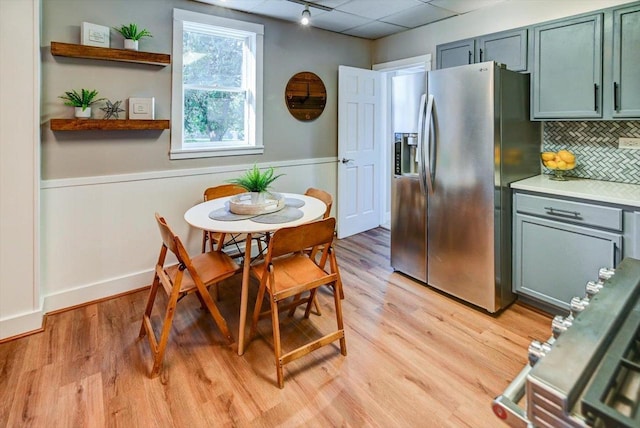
558, 162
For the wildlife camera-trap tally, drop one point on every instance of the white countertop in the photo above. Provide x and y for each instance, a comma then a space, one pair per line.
595, 190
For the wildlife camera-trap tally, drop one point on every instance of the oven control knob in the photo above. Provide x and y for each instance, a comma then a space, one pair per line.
593, 288
537, 350
560, 324
605, 273
578, 304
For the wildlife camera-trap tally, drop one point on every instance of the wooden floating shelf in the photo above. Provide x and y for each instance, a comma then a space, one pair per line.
109, 54
107, 125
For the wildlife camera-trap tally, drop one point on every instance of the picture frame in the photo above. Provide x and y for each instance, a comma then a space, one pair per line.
94, 35
142, 108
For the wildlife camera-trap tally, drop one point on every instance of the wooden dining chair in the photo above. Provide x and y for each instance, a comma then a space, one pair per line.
190, 275
328, 201
215, 192
288, 271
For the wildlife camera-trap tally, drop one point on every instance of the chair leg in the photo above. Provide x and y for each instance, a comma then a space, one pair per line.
256, 311
153, 291
158, 354
215, 313
316, 305
338, 303
205, 236
277, 347
312, 298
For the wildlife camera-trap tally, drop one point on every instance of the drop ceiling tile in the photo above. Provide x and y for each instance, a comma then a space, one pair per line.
417, 16
336, 21
243, 5
374, 30
283, 10
463, 6
331, 3
375, 9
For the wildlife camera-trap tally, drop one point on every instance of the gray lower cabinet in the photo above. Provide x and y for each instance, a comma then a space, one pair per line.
455, 53
626, 62
567, 71
559, 245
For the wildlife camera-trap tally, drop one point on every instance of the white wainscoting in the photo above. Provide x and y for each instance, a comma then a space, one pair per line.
99, 236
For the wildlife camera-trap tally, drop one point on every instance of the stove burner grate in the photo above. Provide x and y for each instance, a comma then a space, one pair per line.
613, 398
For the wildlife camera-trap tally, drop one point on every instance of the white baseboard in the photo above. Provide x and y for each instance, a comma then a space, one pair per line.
96, 291
21, 324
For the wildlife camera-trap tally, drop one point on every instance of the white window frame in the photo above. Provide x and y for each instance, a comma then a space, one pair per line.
255, 36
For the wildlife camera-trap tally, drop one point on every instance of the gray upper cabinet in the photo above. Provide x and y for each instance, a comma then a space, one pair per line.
508, 47
626, 62
567, 69
455, 53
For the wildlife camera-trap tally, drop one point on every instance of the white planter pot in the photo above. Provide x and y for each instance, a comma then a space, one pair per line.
131, 44
83, 114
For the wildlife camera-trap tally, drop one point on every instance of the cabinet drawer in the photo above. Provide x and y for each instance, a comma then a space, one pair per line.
574, 212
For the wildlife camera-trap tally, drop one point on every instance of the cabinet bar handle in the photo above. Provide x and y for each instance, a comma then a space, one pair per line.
562, 213
595, 96
615, 96
470, 56
480, 55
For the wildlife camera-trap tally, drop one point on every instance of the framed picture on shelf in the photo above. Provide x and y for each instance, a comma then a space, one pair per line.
94, 35
142, 108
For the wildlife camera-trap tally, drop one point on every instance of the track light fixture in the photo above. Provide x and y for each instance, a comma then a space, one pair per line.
306, 16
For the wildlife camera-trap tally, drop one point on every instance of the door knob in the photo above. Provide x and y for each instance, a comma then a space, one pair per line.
345, 160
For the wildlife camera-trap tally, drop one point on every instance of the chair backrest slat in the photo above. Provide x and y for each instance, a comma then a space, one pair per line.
222, 190
323, 196
168, 237
292, 239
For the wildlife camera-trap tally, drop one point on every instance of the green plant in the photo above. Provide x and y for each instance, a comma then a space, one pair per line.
131, 32
83, 99
255, 180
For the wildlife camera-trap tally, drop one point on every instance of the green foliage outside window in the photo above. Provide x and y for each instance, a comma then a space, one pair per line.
214, 96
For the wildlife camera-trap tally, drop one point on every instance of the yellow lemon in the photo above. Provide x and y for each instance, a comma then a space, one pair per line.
551, 164
561, 164
567, 156
546, 156
571, 165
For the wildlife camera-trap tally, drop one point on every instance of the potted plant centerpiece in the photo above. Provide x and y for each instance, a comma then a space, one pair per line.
81, 101
257, 182
132, 35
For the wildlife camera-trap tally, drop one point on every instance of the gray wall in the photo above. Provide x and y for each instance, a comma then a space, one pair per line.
288, 49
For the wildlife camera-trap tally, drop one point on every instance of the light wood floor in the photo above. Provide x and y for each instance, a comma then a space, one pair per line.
416, 358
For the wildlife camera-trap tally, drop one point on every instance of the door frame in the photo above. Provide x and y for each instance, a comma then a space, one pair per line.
388, 70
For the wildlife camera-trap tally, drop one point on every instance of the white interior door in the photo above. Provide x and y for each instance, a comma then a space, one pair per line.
359, 144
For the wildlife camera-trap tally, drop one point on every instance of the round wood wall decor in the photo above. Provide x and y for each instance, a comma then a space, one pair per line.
305, 96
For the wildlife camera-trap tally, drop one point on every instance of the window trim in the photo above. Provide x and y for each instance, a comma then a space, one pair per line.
178, 151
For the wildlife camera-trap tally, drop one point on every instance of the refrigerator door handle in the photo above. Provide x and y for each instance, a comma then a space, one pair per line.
420, 148
428, 176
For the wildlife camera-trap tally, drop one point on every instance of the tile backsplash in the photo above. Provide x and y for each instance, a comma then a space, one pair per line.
596, 147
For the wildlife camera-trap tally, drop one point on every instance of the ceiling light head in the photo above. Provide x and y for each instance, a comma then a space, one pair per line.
306, 16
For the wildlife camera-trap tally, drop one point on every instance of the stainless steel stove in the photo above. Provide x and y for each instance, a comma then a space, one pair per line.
588, 372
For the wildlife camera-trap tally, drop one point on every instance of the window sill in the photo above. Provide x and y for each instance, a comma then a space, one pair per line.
214, 153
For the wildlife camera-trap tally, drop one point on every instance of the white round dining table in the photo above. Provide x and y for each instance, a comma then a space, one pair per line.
198, 217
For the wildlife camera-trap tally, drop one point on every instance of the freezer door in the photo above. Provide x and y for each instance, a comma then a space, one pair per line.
408, 223
461, 209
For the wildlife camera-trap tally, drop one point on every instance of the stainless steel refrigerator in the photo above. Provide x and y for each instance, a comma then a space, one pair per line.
474, 140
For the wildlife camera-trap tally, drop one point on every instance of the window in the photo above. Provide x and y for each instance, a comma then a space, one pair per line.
217, 86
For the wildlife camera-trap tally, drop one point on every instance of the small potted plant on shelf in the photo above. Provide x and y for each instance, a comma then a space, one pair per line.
132, 35
257, 182
81, 101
